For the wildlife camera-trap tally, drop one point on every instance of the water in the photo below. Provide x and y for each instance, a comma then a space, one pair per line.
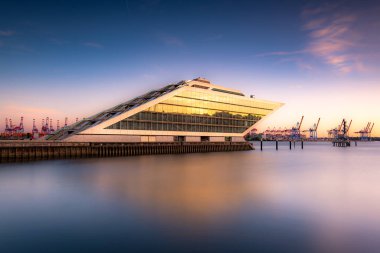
320, 199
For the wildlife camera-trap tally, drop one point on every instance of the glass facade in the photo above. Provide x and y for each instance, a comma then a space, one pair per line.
197, 111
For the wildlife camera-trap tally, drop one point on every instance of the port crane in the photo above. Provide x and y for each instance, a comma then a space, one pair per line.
296, 130
336, 132
313, 134
365, 133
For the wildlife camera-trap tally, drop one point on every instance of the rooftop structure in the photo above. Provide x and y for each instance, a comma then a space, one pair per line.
190, 111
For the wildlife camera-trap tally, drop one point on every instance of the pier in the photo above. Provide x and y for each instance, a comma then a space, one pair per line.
32, 150
342, 143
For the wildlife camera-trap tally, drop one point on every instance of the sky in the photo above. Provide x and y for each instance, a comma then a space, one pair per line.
74, 58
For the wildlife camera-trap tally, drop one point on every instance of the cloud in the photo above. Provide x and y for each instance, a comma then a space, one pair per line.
343, 37
282, 53
7, 33
332, 40
93, 44
170, 40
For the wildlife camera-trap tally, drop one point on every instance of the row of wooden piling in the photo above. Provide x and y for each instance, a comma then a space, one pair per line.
343, 143
19, 151
290, 145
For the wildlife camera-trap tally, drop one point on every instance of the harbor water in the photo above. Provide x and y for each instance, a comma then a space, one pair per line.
319, 199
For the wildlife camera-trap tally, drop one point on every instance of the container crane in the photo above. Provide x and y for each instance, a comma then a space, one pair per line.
35, 132
313, 135
11, 126
51, 128
7, 128
370, 131
20, 128
349, 126
365, 133
44, 128
296, 130
335, 132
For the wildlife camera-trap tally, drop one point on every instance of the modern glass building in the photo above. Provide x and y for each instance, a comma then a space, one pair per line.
188, 111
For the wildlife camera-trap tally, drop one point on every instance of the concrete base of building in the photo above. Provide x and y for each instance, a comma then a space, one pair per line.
142, 138
31, 150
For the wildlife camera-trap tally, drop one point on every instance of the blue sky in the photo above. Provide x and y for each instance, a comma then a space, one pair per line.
74, 58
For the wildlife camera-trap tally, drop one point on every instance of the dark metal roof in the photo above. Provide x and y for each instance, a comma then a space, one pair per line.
112, 112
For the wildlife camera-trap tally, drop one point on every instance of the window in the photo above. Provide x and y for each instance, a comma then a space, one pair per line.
205, 138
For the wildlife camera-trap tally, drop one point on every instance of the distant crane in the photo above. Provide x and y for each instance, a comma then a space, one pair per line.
51, 128
7, 127
35, 132
45, 126
335, 132
20, 128
10, 126
296, 130
313, 134
348, 128
34, 129
365, 133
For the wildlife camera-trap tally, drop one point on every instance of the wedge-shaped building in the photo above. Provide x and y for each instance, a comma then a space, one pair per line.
188, 111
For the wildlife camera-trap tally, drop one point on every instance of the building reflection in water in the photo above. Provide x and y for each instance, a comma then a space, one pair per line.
196, 188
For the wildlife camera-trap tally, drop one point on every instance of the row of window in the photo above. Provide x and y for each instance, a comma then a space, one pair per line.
218, 119
212, 105
139, 125
192, 111
229, 99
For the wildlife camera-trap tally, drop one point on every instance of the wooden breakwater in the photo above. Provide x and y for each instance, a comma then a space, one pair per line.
32, 150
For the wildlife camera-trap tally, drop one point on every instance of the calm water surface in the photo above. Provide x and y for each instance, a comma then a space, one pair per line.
320, 199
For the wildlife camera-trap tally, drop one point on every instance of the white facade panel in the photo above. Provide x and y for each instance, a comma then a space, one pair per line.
217, 139
193, 138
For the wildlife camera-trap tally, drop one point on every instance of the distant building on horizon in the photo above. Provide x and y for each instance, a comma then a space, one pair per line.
188, 111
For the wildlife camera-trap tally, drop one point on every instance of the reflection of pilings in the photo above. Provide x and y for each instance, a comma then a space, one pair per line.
19, 151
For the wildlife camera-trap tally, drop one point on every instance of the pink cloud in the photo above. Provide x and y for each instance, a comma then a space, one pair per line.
332, 42
345, 39
313, 24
